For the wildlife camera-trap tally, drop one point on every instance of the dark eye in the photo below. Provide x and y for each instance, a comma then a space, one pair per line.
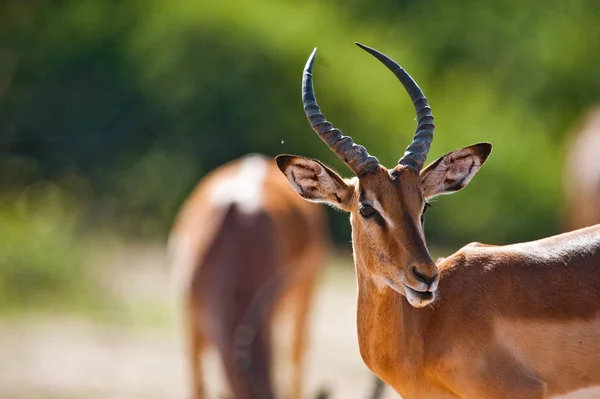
367, 210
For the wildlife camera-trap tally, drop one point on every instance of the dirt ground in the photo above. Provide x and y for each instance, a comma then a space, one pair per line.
138, 354
69, 357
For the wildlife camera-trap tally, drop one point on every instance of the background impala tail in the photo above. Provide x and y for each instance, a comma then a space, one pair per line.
582, 172
241, 261
244, 253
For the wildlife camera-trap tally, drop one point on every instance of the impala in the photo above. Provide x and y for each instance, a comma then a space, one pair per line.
517, 321
582, 172
245, 247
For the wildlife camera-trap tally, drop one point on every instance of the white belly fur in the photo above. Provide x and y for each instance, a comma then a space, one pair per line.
589, 393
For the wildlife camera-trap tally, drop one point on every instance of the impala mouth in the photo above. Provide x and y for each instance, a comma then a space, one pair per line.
419, 299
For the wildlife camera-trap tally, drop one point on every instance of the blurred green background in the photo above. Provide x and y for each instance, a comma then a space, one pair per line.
111, 111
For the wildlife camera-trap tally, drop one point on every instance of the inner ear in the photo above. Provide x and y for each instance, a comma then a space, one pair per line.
315, 181
454, 170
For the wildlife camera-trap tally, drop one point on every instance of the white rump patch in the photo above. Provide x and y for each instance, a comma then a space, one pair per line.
245, 188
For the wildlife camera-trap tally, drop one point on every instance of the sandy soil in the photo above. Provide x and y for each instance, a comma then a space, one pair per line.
74, 357
70, 357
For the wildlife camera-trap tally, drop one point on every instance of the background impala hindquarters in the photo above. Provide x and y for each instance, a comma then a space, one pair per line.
244, 247
519, 321
582, 172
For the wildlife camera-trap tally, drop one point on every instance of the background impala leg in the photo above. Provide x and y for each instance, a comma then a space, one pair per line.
196, 344
303, 300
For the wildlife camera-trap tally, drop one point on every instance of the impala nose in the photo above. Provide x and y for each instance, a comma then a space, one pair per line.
430, 279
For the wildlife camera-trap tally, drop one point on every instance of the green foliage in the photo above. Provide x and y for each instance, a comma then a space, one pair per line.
41, 259
140, 98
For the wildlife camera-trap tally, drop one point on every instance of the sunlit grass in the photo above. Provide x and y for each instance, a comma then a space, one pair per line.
45, 254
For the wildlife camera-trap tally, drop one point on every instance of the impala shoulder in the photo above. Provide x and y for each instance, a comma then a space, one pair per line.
466, 253
475, 255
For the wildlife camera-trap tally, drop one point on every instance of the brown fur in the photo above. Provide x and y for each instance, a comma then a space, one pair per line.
511, 321
515, 321
236, 269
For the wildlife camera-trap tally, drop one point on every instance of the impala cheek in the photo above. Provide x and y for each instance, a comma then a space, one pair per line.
382, 258
397, 286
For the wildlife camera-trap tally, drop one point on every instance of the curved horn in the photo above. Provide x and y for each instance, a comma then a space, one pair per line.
355, 156
416, 152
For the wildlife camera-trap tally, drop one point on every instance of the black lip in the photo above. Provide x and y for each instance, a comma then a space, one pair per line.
425, 296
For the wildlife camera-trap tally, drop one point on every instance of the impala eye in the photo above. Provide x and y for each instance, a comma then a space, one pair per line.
367, 210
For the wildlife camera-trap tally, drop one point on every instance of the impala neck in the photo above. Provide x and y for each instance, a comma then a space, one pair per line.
390, 331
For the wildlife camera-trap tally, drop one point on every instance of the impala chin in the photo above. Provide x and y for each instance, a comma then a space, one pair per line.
419, 299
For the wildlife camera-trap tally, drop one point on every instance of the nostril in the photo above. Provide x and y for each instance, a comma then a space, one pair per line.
427, 280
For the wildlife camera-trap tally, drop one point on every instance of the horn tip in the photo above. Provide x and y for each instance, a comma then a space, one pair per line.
310, 62
368, 49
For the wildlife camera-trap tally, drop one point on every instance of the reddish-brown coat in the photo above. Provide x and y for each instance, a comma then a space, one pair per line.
510, 321
515, 321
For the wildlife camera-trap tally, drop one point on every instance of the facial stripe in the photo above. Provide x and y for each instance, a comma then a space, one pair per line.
377, 205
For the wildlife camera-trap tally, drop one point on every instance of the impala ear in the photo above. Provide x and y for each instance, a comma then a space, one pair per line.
315, 181
454, 170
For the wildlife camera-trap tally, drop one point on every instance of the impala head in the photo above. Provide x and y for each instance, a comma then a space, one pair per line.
386, 205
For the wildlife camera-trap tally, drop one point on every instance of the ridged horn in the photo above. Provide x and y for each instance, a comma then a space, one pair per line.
355, 156
416, 152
